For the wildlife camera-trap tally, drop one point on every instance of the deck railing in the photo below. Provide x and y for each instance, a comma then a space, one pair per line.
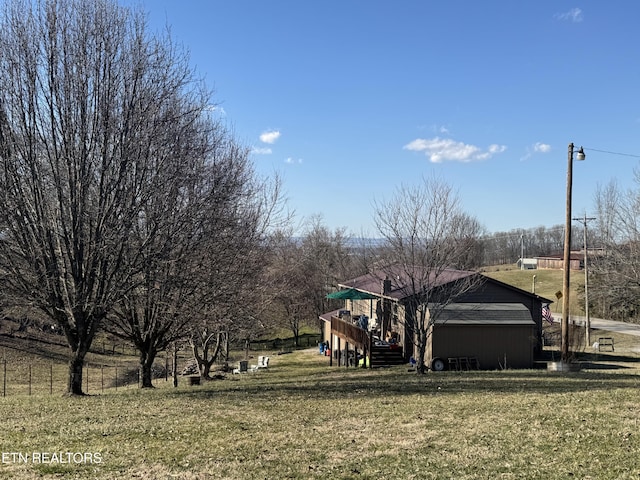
359, 338
351, 333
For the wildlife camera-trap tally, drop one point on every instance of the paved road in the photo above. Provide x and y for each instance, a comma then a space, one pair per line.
609, 325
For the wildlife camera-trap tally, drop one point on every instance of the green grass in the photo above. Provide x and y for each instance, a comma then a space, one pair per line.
548, 282
302, 419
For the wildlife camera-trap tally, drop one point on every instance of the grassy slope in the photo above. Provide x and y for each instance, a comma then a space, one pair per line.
302, 419
548, 282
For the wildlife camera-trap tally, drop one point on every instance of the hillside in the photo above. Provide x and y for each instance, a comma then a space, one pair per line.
547, 283
33, 361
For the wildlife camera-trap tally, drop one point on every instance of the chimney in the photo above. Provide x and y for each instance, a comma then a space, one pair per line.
386, 286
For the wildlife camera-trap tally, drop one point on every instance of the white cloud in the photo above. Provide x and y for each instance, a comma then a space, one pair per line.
270, 136
293, 161
537, 147
261, 150
574, 15
444, 149
441, 129
541, 148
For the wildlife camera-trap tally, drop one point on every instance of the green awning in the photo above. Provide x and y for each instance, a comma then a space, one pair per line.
351, 294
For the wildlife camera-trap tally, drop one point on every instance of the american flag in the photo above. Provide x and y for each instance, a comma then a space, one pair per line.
546, 314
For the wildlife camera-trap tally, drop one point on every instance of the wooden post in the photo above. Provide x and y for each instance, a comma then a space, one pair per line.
51, 379
87, 375
175, 365
4, 378
346, 354
116, 379
566, 266
102, 378
29, 379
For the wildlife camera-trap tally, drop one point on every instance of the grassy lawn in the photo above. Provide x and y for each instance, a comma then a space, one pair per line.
302, 419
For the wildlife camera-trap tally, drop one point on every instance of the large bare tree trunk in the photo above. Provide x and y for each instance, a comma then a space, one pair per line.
74, 384
146, 368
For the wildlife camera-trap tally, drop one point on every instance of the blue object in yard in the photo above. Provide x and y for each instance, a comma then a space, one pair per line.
321, 347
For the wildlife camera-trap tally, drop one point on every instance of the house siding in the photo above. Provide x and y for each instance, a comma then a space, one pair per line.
552, 263
495, 292
495, 346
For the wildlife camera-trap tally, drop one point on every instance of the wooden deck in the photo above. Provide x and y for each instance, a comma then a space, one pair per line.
352, 337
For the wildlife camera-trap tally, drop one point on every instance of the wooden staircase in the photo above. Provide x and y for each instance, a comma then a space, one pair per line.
384, 356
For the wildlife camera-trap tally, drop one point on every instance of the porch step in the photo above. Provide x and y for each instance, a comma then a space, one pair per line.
382, 356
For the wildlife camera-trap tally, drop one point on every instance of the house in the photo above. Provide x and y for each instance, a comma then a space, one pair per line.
490, 321
527, 263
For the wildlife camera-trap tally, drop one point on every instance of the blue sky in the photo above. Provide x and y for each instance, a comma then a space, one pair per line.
349, 100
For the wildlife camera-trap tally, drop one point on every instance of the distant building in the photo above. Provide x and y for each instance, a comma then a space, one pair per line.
527, 263
556, 262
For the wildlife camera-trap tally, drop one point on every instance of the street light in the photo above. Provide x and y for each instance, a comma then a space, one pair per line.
567, 255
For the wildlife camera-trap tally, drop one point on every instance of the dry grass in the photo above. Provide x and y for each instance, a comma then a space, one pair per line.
548, 282
302, 419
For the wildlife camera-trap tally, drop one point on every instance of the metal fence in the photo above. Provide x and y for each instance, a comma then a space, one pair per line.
31, 374
41, 377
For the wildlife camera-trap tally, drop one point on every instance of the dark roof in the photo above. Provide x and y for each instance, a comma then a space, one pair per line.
485, 314
372, 282
327, 316
516, 289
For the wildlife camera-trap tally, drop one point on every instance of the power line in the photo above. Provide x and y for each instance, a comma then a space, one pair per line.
612, 153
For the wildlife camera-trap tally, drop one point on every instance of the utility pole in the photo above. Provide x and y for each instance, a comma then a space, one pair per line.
566, 265
587, 322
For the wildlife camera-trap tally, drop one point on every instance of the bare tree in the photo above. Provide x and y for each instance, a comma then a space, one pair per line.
304, 269
430, 240
290, 306
170, 235
231, 282
87, 97
326, 259
615, 271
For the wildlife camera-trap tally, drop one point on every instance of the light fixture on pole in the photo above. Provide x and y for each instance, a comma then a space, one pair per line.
567, 255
